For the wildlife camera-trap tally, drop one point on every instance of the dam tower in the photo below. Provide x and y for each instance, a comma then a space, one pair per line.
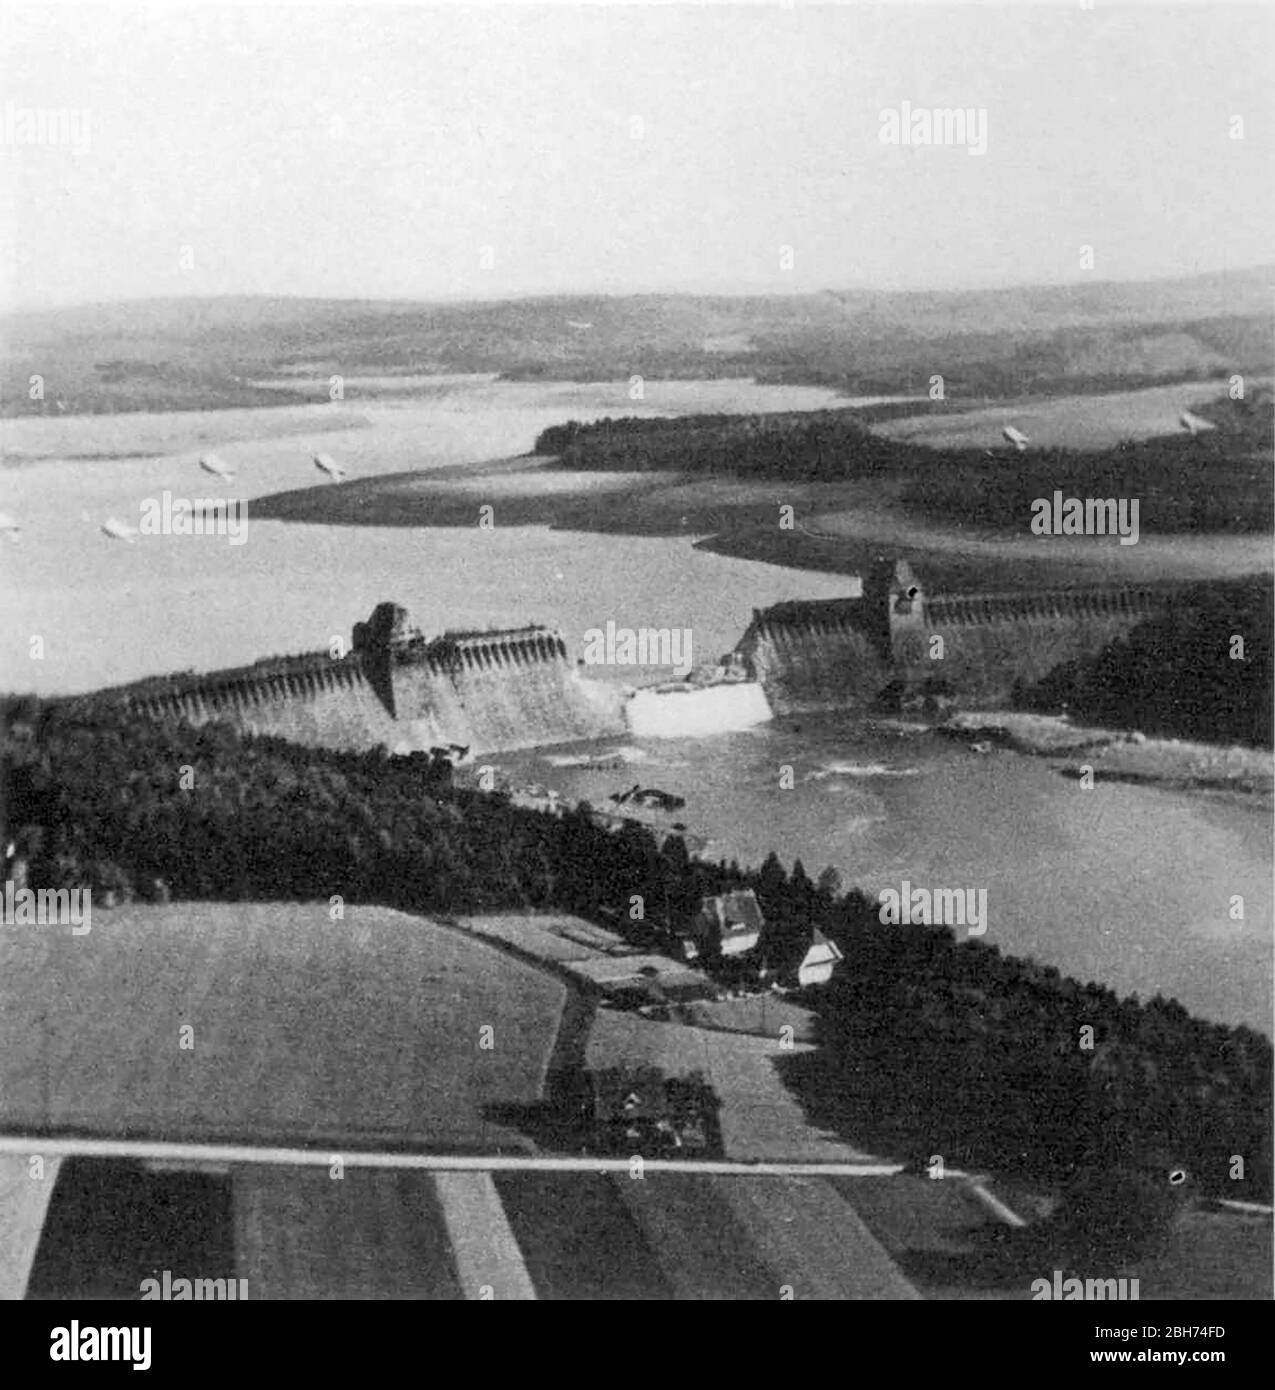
893, 606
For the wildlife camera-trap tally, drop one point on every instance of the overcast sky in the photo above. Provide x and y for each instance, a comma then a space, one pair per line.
481, 151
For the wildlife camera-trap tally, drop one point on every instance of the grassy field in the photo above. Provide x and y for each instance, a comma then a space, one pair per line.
1070, 421
358, 1032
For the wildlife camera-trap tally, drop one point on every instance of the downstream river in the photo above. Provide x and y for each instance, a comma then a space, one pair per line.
1127, 885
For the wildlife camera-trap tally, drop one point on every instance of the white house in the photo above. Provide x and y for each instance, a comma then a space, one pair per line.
817, 965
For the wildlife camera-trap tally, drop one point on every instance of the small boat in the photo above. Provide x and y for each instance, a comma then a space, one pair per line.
980, 747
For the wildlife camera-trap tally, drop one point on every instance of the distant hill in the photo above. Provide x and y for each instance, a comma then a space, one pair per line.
208, 353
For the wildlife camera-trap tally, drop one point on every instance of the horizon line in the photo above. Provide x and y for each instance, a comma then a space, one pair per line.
523, 296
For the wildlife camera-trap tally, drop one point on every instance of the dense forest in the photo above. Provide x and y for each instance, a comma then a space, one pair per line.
1218, 481
933, 1046
1180, 674
809, 445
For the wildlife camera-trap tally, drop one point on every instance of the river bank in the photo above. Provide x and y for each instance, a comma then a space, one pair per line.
1119, 755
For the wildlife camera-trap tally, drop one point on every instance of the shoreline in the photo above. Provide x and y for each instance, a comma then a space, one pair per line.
1115, 755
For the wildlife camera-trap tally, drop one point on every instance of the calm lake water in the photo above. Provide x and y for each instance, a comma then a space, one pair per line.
1126, 885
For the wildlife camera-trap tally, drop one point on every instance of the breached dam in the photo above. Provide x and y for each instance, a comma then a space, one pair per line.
697, 711
508, 689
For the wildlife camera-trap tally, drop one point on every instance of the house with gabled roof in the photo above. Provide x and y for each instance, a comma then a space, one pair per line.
808, 959
728, 924
819, 961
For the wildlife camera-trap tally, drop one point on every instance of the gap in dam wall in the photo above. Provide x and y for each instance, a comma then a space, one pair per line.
494, 692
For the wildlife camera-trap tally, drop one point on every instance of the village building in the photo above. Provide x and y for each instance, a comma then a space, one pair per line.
820, 959
728, 924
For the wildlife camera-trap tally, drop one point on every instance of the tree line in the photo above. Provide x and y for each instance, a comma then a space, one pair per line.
1216, 482
1202, 670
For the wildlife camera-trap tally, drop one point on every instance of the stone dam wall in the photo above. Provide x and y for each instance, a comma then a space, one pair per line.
500, 691
815, 656
844, 653
993, 641
486, 692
